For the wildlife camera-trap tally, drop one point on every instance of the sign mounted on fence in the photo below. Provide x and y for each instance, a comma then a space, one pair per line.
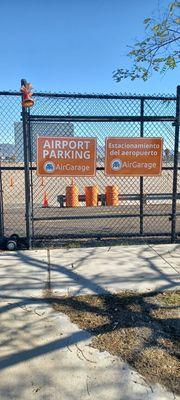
133, 156
66, 156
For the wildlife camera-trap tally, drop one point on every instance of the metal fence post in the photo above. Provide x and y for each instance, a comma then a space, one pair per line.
141, 177
175, 174
31, 178
1, 205
26, 175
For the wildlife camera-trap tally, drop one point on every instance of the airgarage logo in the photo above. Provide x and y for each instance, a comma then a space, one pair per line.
49, 167
116, 165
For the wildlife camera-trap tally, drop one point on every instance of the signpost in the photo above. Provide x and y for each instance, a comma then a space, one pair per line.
133, 156
66, 156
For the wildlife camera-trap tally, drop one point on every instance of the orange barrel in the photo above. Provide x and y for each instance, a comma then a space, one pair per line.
91, 194
72, 194
112, 193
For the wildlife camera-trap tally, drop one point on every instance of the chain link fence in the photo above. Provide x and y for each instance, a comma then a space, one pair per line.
145, 205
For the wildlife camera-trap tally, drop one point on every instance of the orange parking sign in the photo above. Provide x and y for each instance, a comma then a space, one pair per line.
133, 156
66, 156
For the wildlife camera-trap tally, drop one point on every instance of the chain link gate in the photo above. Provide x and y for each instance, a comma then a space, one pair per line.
149, 207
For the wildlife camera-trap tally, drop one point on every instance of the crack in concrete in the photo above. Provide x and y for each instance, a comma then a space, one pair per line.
167, 262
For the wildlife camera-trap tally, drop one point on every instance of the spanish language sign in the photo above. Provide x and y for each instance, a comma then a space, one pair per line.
66, 156
133, 156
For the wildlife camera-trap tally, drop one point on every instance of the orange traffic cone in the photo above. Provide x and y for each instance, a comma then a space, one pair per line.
45, 202
11, 182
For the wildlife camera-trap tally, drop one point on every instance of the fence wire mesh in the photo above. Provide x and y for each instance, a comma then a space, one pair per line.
145, 204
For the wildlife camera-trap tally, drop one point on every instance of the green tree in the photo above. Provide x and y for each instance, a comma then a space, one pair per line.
158, 51
167, 153
12, 158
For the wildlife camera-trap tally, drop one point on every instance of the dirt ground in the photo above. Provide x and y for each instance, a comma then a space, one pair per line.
142, 329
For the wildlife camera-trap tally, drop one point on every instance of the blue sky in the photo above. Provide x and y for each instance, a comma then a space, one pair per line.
74, 45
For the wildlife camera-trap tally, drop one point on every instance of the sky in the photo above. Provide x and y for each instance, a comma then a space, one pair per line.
75, 45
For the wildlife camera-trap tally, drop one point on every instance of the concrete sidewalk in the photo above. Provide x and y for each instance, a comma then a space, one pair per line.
103, 269
43, 355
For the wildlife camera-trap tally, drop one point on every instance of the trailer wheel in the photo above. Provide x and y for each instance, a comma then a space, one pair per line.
11, 245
